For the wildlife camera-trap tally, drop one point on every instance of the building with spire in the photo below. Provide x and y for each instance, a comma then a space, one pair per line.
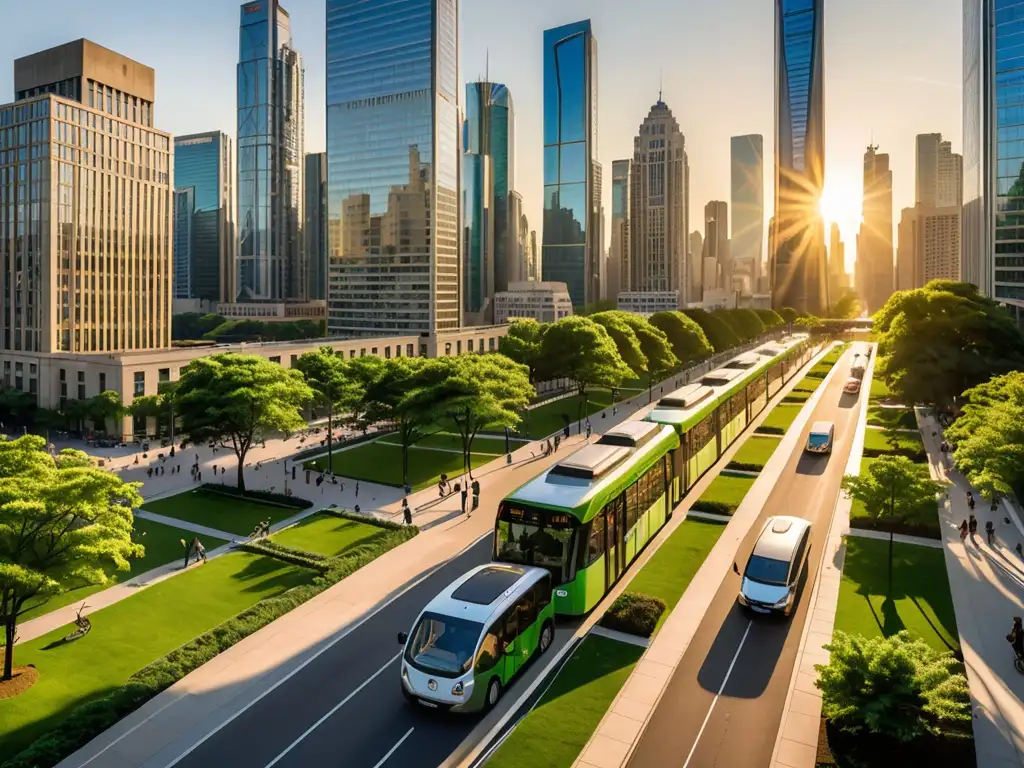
875, 268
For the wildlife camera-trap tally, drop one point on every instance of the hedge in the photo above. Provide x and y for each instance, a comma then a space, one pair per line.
301, 557
87, 721
919, 457
769, 430
362, 517
743, 466
924, 530
320, 450
712, 507
634, 614
254, 495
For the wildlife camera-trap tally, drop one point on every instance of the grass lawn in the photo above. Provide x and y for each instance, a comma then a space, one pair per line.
806, 385
755, 452
728, 490
875, 439
879, 389
901, 418
782, 416
379, 462
920, 601
162, 543
546, 419
669, 572
327, 535
493, 446
554, 733
133, 633
797, 396
225, 513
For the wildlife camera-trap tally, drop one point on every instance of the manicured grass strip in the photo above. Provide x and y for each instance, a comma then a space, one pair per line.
494, 446
920, 600
877, 440
797, 397
879, 389
557, 729
326, 535
130, 634
218, 511
781, 417
755, 452
163, 545
379, 462
724, 494
669, 572
900, 418
546, 419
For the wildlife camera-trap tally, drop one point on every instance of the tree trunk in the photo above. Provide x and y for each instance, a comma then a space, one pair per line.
9, 626
405, 462
241, 471
889, 593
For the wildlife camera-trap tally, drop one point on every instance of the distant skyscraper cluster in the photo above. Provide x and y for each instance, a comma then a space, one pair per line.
874, 271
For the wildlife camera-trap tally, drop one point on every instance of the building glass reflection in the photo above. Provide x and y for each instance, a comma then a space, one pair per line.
393, 166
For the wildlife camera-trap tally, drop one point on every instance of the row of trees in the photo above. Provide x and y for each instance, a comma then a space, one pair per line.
196, 326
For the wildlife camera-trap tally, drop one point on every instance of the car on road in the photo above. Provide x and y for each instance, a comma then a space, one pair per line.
772, 576
820, 438
852, 386
471, 640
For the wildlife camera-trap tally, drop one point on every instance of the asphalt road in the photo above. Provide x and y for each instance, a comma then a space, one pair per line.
346, 707
723, 705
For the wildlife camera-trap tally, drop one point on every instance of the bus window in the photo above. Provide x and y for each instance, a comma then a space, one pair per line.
527, 609
596, 548
533, 539
490, 648
543, 591
511, 629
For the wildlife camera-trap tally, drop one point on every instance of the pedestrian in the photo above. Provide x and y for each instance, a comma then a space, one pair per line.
357, 510
476, 493
215, 470
589, 429
465, 496
1019, 552
972, 526
990, 533
149, 471
357, 489
406, 512
307, 477
970, 503
963, 530
199, 477
558, 439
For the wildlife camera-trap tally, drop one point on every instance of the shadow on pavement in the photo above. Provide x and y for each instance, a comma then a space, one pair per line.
810, 464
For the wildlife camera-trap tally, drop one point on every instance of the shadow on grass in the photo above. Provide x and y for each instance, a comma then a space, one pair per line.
269, 572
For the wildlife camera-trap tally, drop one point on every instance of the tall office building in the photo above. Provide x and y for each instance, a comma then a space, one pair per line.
571, 248
938, 172
518, 231
928, 247
747, 234
716, 247
694, 267
271, 129
533, 268
619, 264
874, 245
314, 228
658, 220
836, 265
204, 256
79, 150
393, 167
798, 256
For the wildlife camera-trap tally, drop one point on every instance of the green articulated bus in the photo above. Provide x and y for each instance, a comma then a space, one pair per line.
588, 517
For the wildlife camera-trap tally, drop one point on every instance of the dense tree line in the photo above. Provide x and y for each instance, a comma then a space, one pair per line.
196, 326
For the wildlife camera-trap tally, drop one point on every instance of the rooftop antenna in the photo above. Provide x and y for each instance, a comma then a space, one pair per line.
661, 82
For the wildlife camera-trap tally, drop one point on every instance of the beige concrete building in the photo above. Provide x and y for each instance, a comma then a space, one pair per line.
274, 312
929, 246
647, 302
544, 302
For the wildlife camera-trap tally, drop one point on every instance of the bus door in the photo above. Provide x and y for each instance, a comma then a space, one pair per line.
615, 541
511, 658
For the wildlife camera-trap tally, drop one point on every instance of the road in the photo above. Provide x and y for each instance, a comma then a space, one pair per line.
723, 705
346, 707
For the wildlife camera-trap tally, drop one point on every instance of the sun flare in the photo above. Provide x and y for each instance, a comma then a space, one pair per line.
839, 203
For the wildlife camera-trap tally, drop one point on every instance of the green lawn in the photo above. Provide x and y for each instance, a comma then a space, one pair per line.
876, 440
163, 545
728, 490
494, 446
554, 733
133, 633
755, 452
797, 396
546, 419
879, 389
902, 418
782, 416
225, 513
669, 572
920, 601
327, 535
379, 462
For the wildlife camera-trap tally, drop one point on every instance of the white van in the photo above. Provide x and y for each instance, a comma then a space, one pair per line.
821, 437
772, 576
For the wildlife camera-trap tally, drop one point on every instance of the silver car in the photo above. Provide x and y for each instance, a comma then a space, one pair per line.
772, 576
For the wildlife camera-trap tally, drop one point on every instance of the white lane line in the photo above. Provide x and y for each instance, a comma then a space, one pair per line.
392, 750
714, 701
335, 708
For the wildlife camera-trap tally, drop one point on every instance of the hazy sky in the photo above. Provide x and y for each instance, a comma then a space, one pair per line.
892, 70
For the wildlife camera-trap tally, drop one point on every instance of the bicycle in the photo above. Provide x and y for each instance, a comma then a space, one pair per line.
82, 626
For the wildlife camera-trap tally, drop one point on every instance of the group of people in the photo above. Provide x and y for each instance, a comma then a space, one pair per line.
971, 527
444, 488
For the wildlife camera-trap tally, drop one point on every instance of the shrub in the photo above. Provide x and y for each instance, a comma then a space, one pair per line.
287, 554
635, 614
915, 527
362, 517
897, 686
919, 456
770, 318
719, 334
712, 507
763, 430
319, 450
744, 466
264, 496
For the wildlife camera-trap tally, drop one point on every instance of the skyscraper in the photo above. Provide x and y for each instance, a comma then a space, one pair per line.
798, 260
987, 82
836, 265
747, 234
314, 229
619, 264
271, 132
938, 172
694, 267
571, 248
518, 231
929, 246
204, 259
716, 273
658, 221
874, 245
393, 167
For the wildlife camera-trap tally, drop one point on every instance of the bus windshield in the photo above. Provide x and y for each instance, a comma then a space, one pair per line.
534, 537
443, 645
818, 439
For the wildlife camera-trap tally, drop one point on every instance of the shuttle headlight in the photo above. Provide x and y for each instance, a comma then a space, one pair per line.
458, 689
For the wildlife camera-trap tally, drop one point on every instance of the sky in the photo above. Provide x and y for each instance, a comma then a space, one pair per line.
892, 71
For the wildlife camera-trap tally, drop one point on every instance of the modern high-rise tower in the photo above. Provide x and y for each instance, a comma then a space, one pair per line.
836, 265
271, 129
619, 264
717, 262
314, 228
747, 238
393, 167
939, 172
798, 260
875, 268
571, 249
658, 221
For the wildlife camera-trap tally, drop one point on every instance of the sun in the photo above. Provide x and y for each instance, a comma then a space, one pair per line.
839, 203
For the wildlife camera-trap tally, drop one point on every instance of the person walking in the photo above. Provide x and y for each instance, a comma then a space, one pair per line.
465, 496
990, 533
1016, 637
476, 493
406, 512
589, 430
972, 526
970, 503
963, 530
357, 489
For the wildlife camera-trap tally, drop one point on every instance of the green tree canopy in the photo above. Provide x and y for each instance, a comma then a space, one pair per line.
604, 305
192, 326
62, 524
718, 332
808, 323
522, 344
788, 314
770, 318
687, 339
625, 339
579, 349
654, 345
744, 322
897, 686
326, 373
104, 407
847, 306
238, 400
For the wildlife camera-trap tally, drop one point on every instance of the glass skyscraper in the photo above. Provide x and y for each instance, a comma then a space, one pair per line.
270, 264
571, 249
798, 260
314, 231
393, 166
747, 238
204, 259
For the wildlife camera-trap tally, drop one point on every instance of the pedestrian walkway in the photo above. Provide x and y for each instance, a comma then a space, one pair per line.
987, 584
901, 538
187, 526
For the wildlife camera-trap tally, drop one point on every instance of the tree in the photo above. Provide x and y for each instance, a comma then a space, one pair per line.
105, 407
848, 306
62, 524
809, 323
477, 391
893, 489
625, 340
364, 371
522, 345
326, 373
770, 318
238, 400
192, 326
897, 686
687, 339
718, 332
579, 349
654, 345
788, 314
743, 322
17, 408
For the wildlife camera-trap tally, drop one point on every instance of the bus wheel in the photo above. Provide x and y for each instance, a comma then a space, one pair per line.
493, 692
547, 636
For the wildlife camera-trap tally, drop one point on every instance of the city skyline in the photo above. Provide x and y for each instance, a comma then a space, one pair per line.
863, 100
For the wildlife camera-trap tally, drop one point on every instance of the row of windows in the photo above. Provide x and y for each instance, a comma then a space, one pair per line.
626, 509
516, 619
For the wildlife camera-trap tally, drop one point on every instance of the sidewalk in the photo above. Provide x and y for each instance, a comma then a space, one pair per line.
987, 584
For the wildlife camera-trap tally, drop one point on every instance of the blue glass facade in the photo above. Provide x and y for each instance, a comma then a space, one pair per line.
571, 245
393, 166
270, 264
747, 237
314, 232
798, 263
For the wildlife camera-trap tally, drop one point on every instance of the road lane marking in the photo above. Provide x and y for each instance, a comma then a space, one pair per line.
392, 750
334, 709
721, 688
